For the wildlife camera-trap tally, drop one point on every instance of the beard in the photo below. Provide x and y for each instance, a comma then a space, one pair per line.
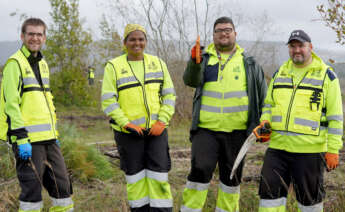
223, 47
298, 60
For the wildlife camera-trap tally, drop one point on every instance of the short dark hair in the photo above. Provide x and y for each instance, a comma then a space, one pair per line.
224, 20
33, 22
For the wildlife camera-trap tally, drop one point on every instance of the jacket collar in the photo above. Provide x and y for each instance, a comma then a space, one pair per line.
29, 56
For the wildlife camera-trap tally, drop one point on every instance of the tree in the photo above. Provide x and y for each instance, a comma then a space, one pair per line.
333, 14
67, 52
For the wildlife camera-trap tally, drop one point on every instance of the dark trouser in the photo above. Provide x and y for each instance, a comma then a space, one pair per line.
49, 165
91, 81
208, 149
303, 170
146, 163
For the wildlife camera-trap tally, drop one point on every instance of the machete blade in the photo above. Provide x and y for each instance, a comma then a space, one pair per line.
244, 149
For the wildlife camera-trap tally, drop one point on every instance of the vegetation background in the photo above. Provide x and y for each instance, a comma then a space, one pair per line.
86, 137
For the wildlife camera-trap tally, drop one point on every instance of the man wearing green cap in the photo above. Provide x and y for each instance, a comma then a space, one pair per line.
139, 97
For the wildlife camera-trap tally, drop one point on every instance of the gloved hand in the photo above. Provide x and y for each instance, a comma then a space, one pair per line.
25, 150
58, 142
332, 160
132, 128
157, 128
263, 131
194, 54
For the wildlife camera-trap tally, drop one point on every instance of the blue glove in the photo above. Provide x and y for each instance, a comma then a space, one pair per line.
25, 151
58, 142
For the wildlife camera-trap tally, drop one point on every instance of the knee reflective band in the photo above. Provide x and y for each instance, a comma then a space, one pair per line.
159, 189
137, 190
312, 208
61, 205
228, 198
194, 196
272, 205
30, 206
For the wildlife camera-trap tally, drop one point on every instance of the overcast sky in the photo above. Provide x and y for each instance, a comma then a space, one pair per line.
287, 15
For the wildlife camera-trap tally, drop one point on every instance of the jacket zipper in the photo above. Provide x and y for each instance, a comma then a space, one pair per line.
144, 93
291, 100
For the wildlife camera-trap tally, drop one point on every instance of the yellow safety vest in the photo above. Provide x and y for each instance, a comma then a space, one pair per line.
140, 102
224, 101
37, 108
299, 108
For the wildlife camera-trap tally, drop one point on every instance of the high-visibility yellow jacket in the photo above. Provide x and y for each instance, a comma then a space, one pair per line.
125, 99
224, 100
26, 108
306, 117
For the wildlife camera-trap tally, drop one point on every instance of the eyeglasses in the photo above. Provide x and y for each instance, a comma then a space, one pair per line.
33, 34
226, 30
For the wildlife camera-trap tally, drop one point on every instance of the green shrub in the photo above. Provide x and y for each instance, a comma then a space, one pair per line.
84, 161
7, 162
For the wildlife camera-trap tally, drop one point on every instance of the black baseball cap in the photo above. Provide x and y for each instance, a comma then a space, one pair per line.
299, 35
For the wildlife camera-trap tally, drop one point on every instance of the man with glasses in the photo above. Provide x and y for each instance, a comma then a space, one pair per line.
230, 91
28, 122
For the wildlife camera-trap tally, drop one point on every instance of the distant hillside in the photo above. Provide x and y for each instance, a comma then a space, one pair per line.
7, 48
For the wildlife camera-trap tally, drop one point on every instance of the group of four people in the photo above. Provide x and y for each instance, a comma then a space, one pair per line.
302, 104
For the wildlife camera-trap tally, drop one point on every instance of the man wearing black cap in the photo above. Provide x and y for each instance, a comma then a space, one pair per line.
304, 106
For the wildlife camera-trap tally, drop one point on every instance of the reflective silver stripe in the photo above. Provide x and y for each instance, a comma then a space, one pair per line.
235, 94
335, 131
62, 202
28, 206
154, 116
108, 96
287, 133
312, 208
168, 91
154, 75
161, 203
139, 203
305, 122
212, 94
125, 80
110, 108
277, 119
45, 81
293, 133
283, 80
160, 176
268, 105
186, 209
335, 118
130, 179
267, 111
30, 80
210, 108
221, 210
312, 81
272, 203
235, 109
139, 121
229, 189
38, 128
197, 186
169, 102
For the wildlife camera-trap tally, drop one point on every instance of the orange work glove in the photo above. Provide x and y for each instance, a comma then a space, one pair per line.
197, 51
263, 131
157, 128
135, 129
332, 160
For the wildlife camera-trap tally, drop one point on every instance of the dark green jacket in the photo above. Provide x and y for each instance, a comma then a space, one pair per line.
256, 89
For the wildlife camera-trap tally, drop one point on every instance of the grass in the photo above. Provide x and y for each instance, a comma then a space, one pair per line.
107, 193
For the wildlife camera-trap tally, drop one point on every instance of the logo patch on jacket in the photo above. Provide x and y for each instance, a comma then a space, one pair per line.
27, 71
236, 69
152, 65
124, 71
